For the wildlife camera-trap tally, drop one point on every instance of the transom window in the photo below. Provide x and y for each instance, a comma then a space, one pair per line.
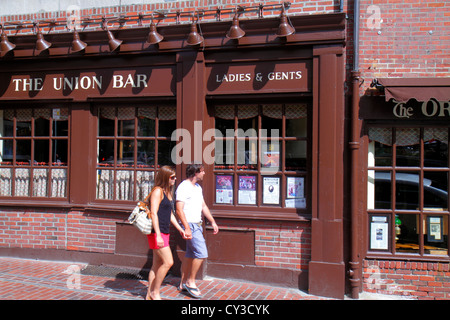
261, 155
408, 190
132, 143
34, 152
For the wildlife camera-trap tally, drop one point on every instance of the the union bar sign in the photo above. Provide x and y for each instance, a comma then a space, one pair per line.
156, 81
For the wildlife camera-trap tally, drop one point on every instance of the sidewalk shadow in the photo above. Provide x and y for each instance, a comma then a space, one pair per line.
129, 283
136, 284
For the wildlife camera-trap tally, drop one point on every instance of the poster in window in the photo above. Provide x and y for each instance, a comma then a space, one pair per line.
271, 159
295, 197
271, 190
379, 233
247, 190
435, 229
224, 189
295, 187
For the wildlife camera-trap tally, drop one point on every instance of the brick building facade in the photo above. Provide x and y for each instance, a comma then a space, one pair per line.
308, 248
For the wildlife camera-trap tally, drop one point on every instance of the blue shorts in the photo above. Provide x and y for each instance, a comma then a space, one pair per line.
196, 247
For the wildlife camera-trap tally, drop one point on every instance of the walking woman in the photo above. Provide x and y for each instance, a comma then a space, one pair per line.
162, 214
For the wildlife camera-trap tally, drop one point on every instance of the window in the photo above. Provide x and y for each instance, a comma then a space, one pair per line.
132, 143
261, 155
34, 152
408, 188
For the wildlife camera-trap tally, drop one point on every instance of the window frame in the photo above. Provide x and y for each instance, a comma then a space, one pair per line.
261, 210
135, 138
422, 213
33, 164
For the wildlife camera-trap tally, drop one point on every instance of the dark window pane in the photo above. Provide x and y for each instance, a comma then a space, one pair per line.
106, 152
7, 128
435, 190
296, 128
41, 127
146, 153
407, 191
125, 153
41, 151
383, 154
23, 152
146, 127
23, 129
296, 154
166, 128
126, 128
382, 190
407, 233
60, 128
59, 154
165, 152
105, 127
222, 125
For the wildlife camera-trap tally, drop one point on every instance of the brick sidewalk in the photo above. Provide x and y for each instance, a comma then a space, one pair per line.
23, 279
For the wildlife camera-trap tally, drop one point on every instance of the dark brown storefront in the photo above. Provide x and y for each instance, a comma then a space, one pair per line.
112, 106
405, 135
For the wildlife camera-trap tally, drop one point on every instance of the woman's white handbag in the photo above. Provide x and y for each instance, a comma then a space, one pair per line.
140, 219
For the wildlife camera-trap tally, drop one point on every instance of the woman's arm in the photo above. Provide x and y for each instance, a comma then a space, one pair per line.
155, 201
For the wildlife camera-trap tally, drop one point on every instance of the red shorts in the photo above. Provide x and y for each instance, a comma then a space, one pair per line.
152, 240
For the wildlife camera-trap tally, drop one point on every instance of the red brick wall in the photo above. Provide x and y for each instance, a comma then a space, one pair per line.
74, 230
404, 39
421, 280
278, 244
297, 7
285, 245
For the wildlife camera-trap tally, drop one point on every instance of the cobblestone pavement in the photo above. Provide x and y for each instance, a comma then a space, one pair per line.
25, 279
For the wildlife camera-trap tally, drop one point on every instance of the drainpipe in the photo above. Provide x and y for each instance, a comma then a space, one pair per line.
354, 271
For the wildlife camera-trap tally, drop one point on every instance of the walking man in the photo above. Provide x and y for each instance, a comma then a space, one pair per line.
190, 206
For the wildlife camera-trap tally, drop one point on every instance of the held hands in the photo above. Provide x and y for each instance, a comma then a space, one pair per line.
187, 234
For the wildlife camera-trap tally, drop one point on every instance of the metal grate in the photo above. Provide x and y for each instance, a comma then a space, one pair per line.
115, 272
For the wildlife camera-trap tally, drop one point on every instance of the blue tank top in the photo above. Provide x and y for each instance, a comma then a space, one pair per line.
164, 213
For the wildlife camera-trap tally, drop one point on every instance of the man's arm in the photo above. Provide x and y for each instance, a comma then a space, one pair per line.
182, 217
208, 215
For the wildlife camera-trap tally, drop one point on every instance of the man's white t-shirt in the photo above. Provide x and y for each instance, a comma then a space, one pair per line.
192, 196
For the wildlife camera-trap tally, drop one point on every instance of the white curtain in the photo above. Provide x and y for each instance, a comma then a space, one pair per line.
124, 184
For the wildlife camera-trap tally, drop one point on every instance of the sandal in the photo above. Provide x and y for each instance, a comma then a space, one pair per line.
192, 291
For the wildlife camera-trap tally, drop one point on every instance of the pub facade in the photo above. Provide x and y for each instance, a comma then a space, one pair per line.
300, 170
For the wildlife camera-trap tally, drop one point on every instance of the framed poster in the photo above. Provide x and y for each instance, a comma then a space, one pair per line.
379, 233
295, 188
224, 189
271, 159
271, 190
247, 190
434, 229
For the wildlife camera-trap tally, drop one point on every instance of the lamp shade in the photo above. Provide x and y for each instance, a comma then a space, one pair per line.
235, 31
114, 43
153, 36
5, 45
41, 44
194, 37
77, 44
284, 29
